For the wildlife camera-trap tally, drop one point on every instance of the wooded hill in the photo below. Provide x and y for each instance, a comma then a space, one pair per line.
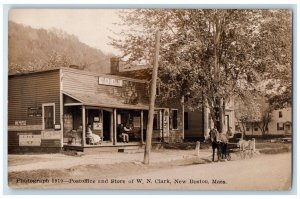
32, 49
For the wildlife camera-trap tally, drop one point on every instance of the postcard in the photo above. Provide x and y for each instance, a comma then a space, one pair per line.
152, 99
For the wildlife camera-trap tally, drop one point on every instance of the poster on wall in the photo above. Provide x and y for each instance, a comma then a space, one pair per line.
136, 122
30, 140
97, 126
51, 135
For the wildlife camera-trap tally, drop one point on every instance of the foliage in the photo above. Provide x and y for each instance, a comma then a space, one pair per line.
207, 56
253, 111
37, 49
276, 47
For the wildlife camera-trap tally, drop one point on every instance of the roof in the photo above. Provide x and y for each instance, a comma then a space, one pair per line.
33, 72
144, 74
118, 76
103, 100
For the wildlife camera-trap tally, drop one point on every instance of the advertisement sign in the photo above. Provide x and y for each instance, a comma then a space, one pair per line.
51, 135
30, 140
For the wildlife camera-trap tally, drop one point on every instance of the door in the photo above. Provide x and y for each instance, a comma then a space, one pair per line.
106, 125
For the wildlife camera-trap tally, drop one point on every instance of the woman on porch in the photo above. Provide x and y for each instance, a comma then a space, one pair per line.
91, 137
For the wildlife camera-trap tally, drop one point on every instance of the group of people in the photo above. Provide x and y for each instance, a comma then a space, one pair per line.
123, 134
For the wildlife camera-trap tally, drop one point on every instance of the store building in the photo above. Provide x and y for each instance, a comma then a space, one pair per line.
55, 109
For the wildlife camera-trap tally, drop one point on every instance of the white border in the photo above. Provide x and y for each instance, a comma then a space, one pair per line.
130, 2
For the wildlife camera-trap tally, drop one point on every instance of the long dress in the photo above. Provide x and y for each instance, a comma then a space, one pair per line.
96, 138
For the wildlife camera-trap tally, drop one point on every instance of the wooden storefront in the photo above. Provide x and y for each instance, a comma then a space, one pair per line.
51, 110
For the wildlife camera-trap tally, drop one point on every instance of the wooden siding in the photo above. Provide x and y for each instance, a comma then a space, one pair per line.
83, 82
32, 90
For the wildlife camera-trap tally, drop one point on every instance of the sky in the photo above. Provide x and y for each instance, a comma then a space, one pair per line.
91, 26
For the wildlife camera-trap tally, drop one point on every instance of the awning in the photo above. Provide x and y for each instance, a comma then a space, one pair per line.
103, 100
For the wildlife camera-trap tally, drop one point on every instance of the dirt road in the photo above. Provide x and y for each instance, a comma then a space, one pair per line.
266, 172
263, 172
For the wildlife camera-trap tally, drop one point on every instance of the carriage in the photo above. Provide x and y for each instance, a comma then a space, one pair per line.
238, 145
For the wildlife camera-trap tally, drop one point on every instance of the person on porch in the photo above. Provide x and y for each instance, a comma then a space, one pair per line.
91, 137
123, 134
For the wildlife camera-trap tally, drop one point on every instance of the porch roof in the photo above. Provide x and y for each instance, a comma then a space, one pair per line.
103, 100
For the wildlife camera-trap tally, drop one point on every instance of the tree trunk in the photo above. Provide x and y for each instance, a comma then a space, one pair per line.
152, 102
222, 115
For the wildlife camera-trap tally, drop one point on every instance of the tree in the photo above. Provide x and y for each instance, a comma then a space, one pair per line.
254, 112
207, 56
277, 27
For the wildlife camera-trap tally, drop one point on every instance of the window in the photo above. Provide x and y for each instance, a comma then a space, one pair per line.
280, 113
186, 120
174, 119
255, 129
247, 129
280, 126
157, 90
48, 116
155, 121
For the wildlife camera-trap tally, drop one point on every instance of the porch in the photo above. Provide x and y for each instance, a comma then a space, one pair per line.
83, 123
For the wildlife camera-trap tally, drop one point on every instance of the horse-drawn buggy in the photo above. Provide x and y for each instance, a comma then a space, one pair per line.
226, 146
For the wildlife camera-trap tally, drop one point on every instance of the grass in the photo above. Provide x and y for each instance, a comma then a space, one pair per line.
185, 146
275, 150
264, 147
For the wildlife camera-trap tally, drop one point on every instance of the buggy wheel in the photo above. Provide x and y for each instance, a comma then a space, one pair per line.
251, 154
228, 157
243, 154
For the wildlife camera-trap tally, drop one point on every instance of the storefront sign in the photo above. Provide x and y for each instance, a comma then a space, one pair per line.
110, 81
20, 123
30, 140
51, 135
25, 128
34, 111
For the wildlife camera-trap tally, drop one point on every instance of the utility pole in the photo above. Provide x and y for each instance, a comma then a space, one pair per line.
152, 101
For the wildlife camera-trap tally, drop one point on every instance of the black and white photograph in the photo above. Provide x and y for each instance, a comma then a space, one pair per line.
150, 99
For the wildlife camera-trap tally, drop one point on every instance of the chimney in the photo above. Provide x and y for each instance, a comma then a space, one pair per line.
114, 65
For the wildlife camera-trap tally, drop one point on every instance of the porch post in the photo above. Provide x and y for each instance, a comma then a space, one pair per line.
115, 126
83, 127
142, 126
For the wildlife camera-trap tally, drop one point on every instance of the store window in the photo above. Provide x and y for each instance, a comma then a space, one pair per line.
48, 116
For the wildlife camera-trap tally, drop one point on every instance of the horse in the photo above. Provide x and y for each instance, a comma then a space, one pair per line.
218, 141
215, 143
246, 145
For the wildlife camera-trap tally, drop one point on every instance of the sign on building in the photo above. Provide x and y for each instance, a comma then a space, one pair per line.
51, 135
30, 140
110, 81
20, 123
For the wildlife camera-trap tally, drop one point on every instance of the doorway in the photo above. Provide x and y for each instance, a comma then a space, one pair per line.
106, 125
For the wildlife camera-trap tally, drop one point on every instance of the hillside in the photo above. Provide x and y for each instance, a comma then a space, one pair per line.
32, 49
